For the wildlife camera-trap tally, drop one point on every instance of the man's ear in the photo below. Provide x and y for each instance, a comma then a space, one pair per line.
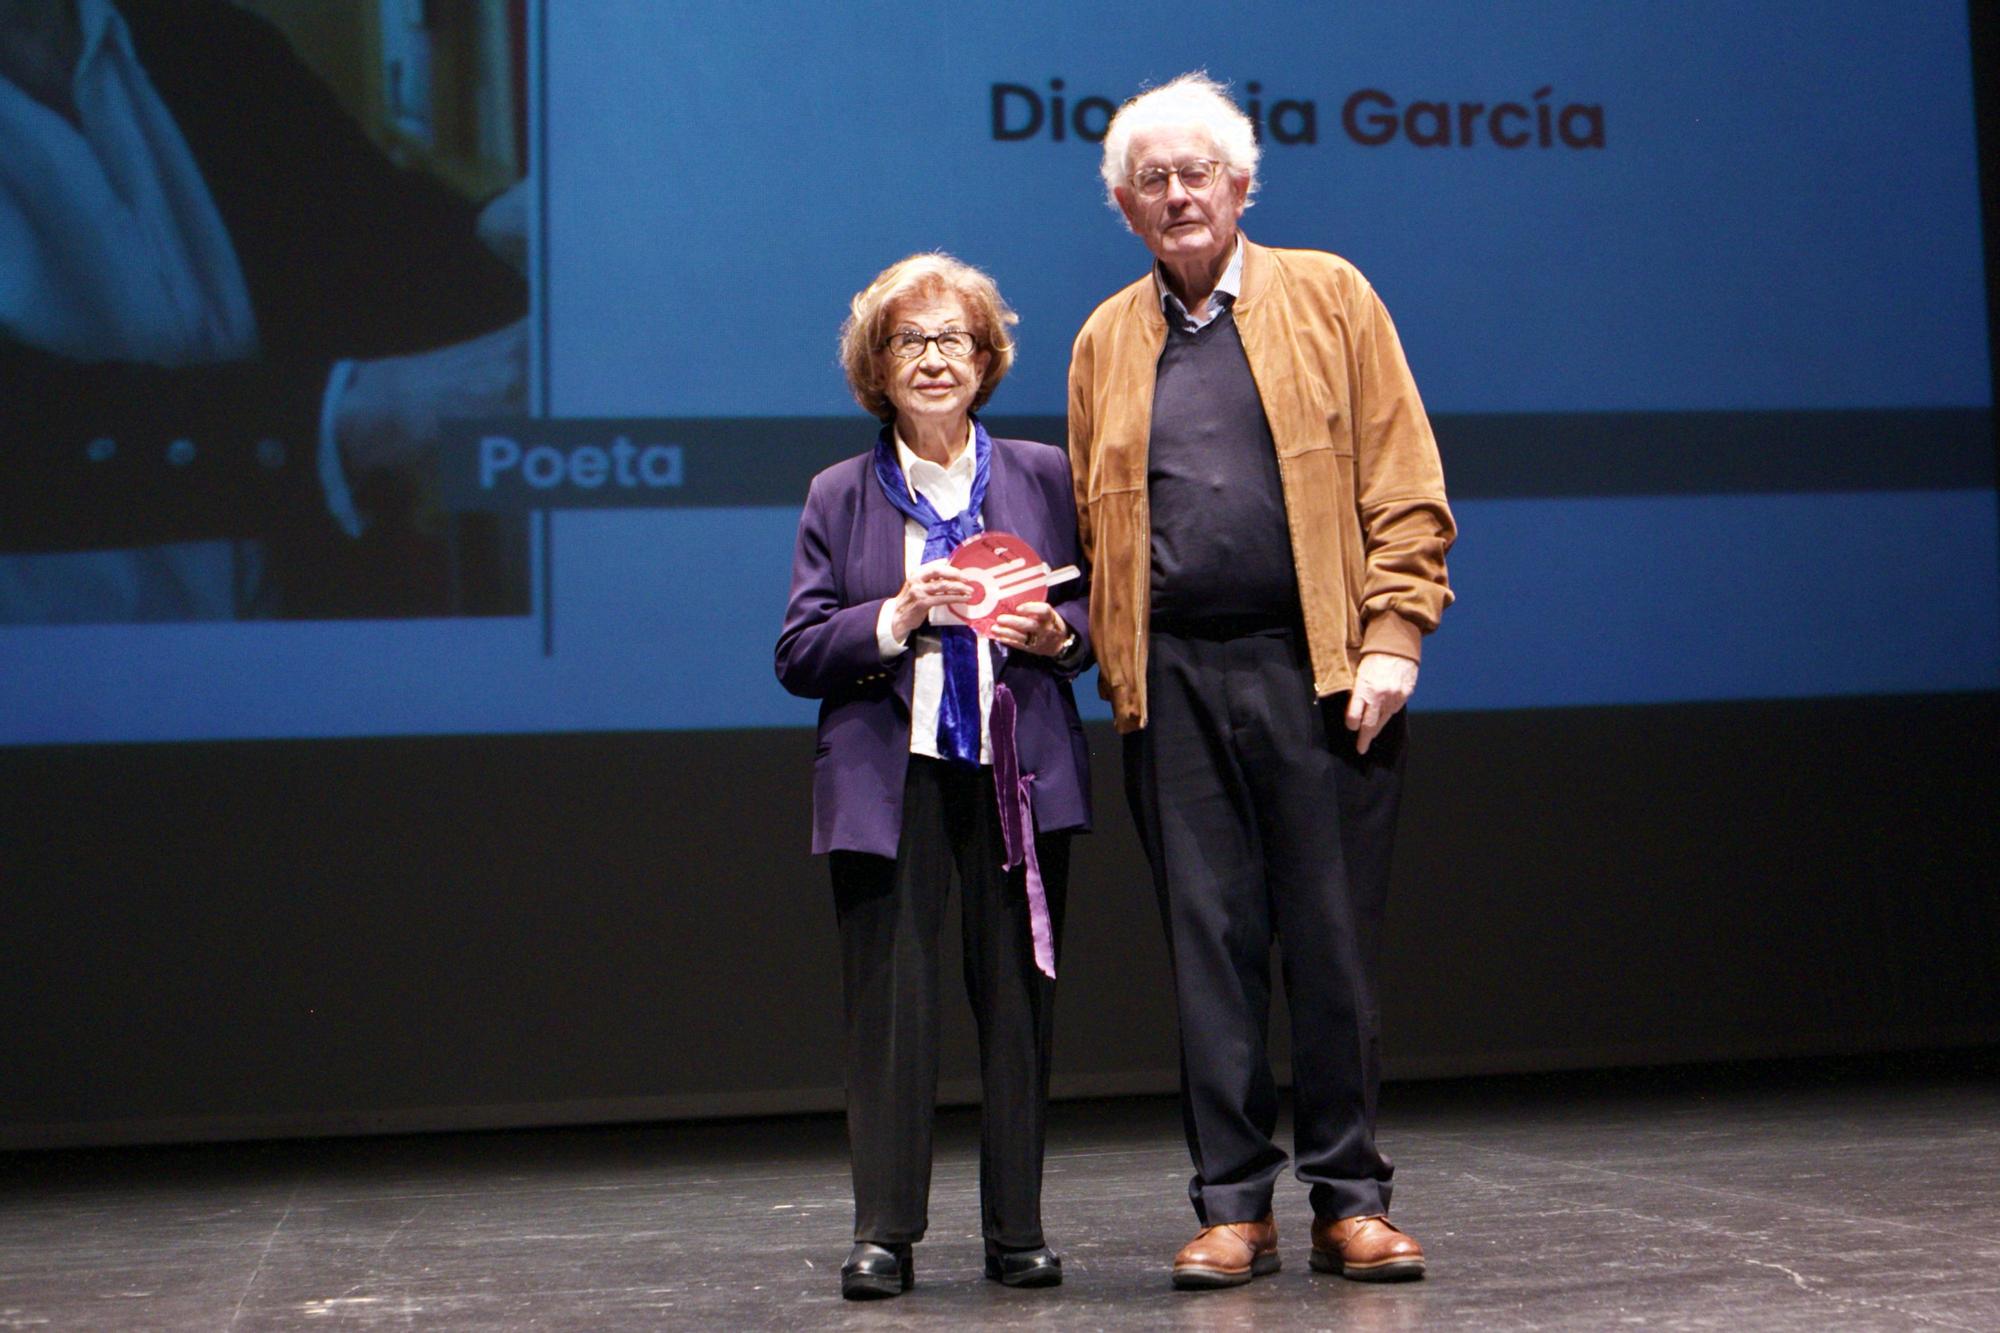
1128, 205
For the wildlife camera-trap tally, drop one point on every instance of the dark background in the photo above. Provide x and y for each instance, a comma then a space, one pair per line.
220, 940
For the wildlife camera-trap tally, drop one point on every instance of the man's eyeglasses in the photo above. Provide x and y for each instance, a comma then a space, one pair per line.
1196, 176
908, 344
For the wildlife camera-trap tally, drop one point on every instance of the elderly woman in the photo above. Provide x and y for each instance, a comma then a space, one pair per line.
939, 749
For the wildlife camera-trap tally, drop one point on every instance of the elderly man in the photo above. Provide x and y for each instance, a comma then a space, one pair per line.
1260, 497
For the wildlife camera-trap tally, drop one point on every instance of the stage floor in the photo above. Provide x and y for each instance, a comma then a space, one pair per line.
1808, 1196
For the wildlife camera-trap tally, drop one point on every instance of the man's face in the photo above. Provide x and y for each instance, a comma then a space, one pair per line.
1183, 228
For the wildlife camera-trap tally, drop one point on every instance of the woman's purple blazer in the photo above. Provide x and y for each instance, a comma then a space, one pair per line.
849, 561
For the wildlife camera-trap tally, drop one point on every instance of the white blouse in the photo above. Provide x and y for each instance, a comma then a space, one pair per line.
948, 489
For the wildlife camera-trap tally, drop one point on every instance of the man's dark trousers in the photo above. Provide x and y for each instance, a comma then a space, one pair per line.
1260, 821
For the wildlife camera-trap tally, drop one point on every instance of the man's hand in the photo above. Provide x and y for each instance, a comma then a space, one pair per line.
1383, 683
388, 419
503, 225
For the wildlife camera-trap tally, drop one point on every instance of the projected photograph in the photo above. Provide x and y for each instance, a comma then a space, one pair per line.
251, 255
434, 367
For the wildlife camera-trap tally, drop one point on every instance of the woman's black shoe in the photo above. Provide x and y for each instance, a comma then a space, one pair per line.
873, 1271
1039, 1267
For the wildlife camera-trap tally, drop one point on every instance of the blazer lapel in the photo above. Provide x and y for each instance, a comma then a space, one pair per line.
878, 570
1007, 510
1002, 505
881, 565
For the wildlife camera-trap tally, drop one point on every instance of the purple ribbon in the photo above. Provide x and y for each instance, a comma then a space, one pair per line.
1017, 824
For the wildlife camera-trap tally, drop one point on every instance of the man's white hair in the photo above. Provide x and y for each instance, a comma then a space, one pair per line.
1193, 101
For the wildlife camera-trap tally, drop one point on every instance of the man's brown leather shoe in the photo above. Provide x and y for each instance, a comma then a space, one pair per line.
1367, 1249
1228, 1255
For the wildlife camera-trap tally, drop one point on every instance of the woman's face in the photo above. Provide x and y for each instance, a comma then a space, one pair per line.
930, 388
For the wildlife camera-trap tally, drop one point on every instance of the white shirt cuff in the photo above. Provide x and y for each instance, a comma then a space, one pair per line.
885, 638
332, 477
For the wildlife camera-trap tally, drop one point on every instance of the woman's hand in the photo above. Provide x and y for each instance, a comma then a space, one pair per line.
1032, 627
933, 585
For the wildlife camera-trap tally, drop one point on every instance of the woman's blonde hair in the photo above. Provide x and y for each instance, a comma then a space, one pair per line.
930, 274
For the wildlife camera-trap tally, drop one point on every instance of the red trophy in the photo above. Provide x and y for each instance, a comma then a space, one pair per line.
1006, 573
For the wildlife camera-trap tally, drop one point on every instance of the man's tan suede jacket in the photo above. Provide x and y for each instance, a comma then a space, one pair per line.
1364, 491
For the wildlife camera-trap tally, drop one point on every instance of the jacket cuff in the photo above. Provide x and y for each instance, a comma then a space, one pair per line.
1390, 633
332, 475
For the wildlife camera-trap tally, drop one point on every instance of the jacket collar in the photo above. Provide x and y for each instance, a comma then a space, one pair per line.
1256, 280
1257, 273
